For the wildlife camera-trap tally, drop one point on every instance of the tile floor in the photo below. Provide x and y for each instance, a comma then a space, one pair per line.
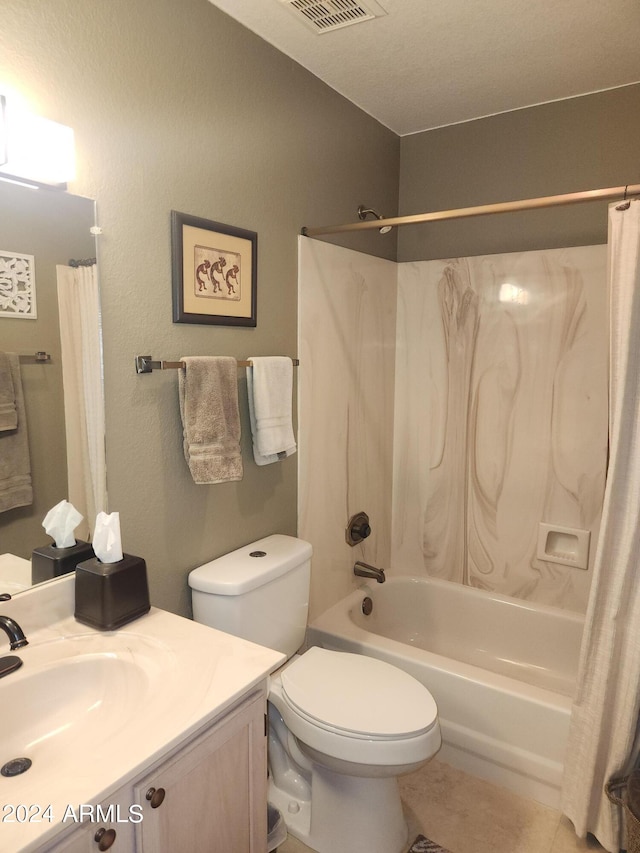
468, 815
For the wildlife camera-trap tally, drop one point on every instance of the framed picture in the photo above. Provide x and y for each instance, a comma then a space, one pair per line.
17, 285
214, 272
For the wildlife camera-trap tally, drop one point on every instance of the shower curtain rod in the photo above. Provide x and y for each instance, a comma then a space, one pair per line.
609, 194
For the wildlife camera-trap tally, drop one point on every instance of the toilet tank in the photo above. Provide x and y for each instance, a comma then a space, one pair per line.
259, 592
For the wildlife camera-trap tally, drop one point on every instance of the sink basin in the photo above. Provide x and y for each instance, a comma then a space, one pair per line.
79, 701
74, 694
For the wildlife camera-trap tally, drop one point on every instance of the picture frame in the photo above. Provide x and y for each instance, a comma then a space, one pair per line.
214, 272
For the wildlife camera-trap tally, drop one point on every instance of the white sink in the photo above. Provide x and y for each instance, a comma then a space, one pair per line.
77, 691
72, 704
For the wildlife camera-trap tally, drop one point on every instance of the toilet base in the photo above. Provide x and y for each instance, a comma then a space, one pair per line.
347, 814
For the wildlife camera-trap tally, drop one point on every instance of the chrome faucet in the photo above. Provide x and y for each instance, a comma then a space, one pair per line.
14, 632
364, 570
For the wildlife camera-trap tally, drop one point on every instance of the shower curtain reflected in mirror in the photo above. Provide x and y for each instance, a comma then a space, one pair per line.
80, 334
604, 722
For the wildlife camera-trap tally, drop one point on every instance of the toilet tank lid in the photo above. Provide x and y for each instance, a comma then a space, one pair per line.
251, 566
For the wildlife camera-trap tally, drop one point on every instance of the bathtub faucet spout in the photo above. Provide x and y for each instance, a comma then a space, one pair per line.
364, 570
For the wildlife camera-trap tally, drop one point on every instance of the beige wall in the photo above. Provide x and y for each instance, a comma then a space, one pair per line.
579, 144
175, 106
53, 227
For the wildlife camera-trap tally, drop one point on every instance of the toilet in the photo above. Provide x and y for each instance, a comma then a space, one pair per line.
342, 726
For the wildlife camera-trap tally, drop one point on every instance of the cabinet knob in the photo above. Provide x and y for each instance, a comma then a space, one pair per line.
105, 838
155, 796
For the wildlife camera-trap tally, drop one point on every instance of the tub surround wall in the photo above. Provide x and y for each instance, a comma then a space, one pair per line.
500, 416
347, 306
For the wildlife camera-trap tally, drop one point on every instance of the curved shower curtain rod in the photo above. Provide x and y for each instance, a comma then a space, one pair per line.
609, 194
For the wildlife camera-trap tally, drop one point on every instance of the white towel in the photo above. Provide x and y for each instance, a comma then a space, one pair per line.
270, 392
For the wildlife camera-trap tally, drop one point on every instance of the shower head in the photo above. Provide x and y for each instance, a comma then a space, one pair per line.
363, 212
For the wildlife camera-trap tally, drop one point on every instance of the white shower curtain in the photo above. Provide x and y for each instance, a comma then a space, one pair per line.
604, 720
80, 334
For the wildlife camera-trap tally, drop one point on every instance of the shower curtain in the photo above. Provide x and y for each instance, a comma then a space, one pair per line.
604, 719
80, 336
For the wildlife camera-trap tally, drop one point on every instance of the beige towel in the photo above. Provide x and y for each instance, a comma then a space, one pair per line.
8, 410
208, 391
15, 467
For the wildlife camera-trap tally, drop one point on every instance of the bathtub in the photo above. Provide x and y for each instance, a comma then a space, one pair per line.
502, 671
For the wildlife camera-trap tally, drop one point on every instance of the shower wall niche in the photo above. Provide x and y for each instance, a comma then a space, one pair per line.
496, 370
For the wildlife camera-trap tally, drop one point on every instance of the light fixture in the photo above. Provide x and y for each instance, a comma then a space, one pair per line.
34, 149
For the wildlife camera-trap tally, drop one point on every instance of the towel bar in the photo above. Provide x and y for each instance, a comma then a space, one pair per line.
145, 364
36, 358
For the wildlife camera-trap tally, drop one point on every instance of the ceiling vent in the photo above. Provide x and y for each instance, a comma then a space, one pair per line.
322, 16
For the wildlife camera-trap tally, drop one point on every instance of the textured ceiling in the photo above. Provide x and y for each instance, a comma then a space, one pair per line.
428, 63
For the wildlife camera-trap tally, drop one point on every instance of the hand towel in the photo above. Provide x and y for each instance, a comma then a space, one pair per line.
208, 392
270, 392
8, 410
15, 466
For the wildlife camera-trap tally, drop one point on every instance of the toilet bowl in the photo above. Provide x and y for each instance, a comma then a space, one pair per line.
336, 748
357, 710
342, 726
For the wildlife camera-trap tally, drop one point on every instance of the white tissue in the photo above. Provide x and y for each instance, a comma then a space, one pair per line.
106, 542
60, 522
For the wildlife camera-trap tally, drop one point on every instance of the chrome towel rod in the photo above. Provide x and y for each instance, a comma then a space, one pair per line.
145, 364
36, 358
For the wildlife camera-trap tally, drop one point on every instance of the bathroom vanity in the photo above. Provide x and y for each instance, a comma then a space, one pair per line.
209, 794
149, 738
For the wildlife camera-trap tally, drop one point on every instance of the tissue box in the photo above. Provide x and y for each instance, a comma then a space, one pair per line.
108, 595
49, 561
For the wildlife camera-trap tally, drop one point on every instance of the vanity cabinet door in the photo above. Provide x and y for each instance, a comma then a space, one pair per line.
211, 795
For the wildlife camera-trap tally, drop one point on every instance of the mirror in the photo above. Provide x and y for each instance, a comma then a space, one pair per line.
52, 227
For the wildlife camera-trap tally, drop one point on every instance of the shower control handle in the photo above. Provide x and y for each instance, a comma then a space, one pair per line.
363, 530
358, 528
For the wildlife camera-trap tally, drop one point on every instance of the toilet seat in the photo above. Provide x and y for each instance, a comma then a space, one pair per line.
357, 696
